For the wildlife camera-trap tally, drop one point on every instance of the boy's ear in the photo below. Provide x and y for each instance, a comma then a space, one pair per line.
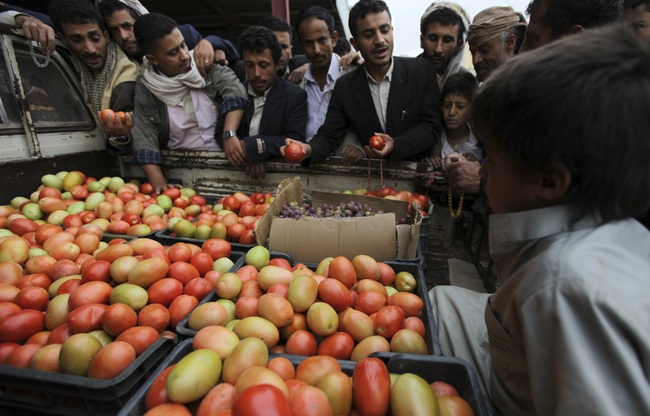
554, 183
152, 59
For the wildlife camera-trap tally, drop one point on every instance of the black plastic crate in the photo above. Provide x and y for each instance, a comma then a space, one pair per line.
24, 391
182, 328
453, 370
165, 237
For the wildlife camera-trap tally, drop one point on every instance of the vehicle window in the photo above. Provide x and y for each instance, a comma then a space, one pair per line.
9, 112
52, 98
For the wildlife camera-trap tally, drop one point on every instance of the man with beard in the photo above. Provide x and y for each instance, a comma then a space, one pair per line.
495, 35
443, 33
175, 107
107, 74
395, 98
637, 13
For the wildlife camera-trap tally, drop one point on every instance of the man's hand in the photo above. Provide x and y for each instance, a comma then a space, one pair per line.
235, 152
38, 31
203, 57
306, 149
156, 178
434, 161
462, 173
220, 57
115, 127
377, 154
350, 58
298, 74
160, 187
255, 170
351, 155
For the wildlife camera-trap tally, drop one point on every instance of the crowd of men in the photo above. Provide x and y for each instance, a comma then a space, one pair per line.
556, 140
376, 98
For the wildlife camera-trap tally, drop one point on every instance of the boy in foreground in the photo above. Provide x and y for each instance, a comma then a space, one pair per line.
566, 171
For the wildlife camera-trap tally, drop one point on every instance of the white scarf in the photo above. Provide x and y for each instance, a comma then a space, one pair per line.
173, 90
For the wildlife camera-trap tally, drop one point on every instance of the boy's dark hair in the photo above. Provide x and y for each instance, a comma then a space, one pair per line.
361, 9
256, 39
633, 4
276, 24
562, 15
582, 103
342, 46
462, 82
318, 13
108, 7
76, 12
149, 28
445, 17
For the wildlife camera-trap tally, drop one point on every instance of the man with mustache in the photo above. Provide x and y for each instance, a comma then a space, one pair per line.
495, 35
175, 107
395, 98
107, 74
443, 32
318, 39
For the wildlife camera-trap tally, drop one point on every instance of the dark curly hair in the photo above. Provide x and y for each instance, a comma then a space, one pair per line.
258, 38
562, 15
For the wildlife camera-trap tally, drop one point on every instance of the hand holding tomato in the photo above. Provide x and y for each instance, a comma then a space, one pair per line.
292, 154
379, 146
115, 123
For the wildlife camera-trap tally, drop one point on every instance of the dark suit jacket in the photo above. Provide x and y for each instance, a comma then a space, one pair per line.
284, 115
413, 117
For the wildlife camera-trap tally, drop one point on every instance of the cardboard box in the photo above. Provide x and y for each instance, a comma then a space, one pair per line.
311, 239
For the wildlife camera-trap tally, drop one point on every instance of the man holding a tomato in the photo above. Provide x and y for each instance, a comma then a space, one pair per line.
175, 107
395, 98
107, 74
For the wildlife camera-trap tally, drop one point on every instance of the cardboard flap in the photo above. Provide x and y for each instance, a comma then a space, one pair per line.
310, 240
288, 191
408, 235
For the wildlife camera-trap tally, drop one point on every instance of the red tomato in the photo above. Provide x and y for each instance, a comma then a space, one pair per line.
86, 318
443, 389
410, 303
199, 288
370, 302
293, 152
338, 345
99, 270
310, 401
376, 142
49, 191
7, 308
157, 393
302, 343
5, 349
90, 292
231, 203
414, 323
32, 297
111, 360
454, 406
22, 226
371, 386
140, 338
107, 114
21, 325
79, 192
155, 316
173, 193
180, 307
388, 321
220, 398
68, 286
216, 248
202, 261
131, 219
282, 367
36, 279
39, 338
334, 293
157, 252
197, 200
122, 116
22, 356
182, 271
169, 409
59, 334
118, 318
164, 291
257, 198
261, 400
311, 369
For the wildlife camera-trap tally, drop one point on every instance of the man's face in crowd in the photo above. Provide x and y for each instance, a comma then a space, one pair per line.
538, 33
316, 42
440, 44
491, 54
374, 39
260, 70
285, 43
171, 55
87, 42
120, 26
639, 18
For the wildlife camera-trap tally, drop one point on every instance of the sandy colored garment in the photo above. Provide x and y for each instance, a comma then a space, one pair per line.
492, 22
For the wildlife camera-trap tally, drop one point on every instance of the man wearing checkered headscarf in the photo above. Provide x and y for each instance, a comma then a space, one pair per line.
495, 35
